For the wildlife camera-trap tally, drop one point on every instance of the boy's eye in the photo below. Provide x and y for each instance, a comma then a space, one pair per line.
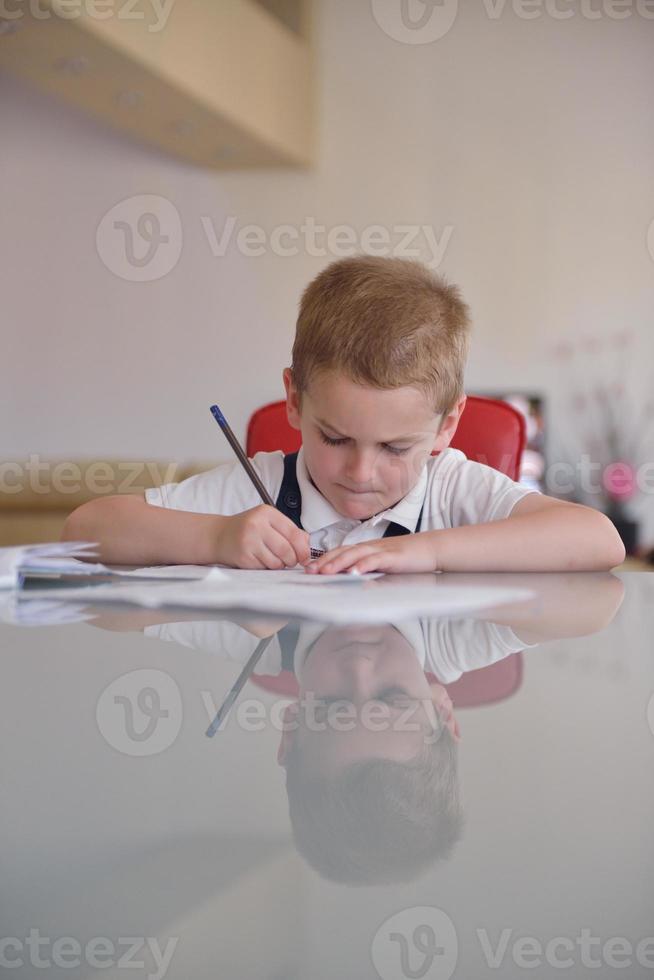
395, 450
397, 697
331, 442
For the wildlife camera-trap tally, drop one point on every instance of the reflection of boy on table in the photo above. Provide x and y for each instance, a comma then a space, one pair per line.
369, 745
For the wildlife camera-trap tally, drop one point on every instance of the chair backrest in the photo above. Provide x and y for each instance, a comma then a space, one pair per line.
489, 431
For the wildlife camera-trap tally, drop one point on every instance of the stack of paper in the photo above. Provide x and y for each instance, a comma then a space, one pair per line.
36, 561
56, 557
348, 601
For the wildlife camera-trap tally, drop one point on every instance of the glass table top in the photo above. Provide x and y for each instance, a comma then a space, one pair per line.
189, 794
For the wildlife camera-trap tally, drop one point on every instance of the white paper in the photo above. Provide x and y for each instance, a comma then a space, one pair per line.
148, 571
19, 560
165, 571
60, 558
243, 576
257, 577
36, 565
380, 601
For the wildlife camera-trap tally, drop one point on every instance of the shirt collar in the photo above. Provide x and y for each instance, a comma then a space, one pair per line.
317, 512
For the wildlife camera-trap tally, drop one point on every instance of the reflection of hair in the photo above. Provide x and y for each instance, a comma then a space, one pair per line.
378, 821
386, 323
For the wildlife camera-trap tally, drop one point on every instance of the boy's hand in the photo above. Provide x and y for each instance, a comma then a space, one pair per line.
407, 553
262, 538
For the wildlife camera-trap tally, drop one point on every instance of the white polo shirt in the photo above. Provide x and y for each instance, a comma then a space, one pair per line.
446, 648
451, 491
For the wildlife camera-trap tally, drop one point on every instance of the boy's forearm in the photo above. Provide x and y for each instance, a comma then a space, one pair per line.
129, 531
563, 605
563, 538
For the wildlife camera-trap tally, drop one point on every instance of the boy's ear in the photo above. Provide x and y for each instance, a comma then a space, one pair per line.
443, 703
449, 425
292, 400
289, 729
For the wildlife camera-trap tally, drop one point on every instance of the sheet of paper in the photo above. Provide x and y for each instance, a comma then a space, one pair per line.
159, 571
242, 576
254, 577
36, 566
245, 576
49, 559
380, 601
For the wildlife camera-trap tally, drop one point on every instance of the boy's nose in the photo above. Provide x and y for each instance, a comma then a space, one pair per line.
360, 675
359, 470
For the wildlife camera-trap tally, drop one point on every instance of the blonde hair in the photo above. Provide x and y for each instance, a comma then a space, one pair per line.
386, 323
378, 821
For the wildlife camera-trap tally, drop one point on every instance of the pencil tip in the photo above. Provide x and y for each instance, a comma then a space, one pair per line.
217, 414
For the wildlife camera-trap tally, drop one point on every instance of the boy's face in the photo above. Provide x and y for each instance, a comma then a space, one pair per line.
364, 447
373, 674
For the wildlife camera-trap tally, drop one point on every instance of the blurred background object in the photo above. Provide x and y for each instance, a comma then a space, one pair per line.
533, 466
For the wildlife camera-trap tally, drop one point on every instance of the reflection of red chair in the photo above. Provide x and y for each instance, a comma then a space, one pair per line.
489, 431
488, 685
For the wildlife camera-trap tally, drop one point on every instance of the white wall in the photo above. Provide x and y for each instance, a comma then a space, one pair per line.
531, 138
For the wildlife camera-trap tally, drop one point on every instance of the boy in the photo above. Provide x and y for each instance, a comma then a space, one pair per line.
376, 386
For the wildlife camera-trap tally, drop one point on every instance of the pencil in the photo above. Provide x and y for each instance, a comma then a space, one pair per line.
238, 686
236, 446
247, 465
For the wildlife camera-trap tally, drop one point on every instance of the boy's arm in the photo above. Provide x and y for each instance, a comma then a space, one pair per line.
541, 534
564, 605
136, 620
130, 531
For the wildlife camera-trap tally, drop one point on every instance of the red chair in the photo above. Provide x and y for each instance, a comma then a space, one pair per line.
489, 431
